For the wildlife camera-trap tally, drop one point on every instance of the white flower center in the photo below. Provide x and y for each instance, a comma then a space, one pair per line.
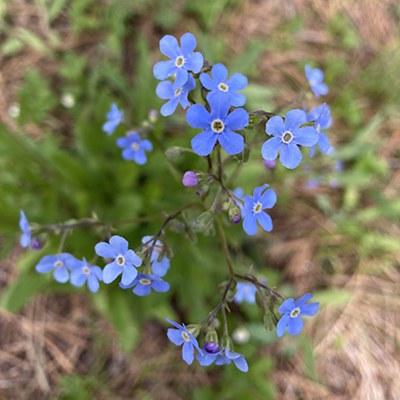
257, 208
179, 61
287, 137
217, 126
223, 87
145, 281
185, 336
86, 270
318, 127
120, 260
178, 92
58, 264
295, 313
135, 146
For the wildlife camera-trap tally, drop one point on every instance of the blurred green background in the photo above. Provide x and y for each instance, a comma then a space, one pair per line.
63, 63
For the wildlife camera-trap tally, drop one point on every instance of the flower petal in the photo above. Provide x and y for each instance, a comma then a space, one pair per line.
241, 364
129, 274
250, 224
188, 352
290, 155
93, 283
119, 243
188, 43
111, 272
282, 324
181, 78
169, 107
287, 306
164, 90
160, 286
237, 82
219, 73
237, 99
169, 46
105, 250
175, 336
204, 142
270, 148
307, 136
309, 309
195, 62
323, 142
275, 126
303, 299
140, 157
207, 81
231, 142
160, 268
237, 119
78, 278
198, 117
132, 258
294, 118
265, 221
268, 199
219, 107
295, 325
142, 290
61, 275
164, 69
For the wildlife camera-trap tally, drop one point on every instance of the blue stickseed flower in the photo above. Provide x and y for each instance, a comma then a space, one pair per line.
25, 228
82, 272
114, 118
182, 59
222, 357
143, 283
177, 96
134, 147
315, 78
322, 116
245, 292
292, 312
181, 336
159, 265
218, 126
61, 265
219, 84
124, 261
286, 138
253, 209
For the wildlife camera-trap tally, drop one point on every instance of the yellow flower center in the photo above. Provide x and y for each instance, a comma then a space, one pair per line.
186, 337
217, 126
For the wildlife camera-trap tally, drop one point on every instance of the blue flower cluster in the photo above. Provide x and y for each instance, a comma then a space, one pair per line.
134, 147
122, 261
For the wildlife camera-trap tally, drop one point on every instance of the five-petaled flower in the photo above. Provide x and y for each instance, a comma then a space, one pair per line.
292, 312
114, 118
182, 59
82, 272
143, 283
322, 116
177, 96
124, 261
222, 357
218, 126
25, 228
253, 209
181, 336
60, 264
220, 85
315, 78
134, 147
245, 291
287, 135
158, 260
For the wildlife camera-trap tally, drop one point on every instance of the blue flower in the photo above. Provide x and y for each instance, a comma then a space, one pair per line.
286, 136
223, 357
125, 261
82, 272
26, 230
181, 336
143, 283
322, 116
166, 91
114, 118
218, 126
245, 291
292, 311
315, 78
60, 264
159, 264
134, 147
219, 84
182, 59
253, 209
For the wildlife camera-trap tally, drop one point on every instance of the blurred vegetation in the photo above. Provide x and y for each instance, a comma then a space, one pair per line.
73, 170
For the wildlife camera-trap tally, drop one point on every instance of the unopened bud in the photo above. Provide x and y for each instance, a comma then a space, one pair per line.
190, 179
269, 164
243, 157
203, 221
177, 226
269, 321
211, 347
36, 245
235, 215
153, 116
212, 336
193, 329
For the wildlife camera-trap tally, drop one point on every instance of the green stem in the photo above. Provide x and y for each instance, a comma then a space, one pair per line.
225, 248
